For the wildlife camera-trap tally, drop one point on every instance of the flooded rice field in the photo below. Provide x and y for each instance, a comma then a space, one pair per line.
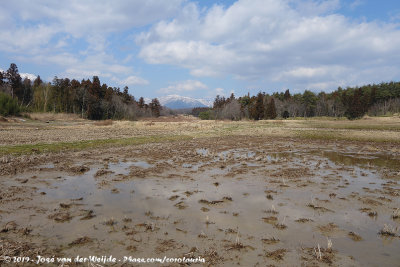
237, 201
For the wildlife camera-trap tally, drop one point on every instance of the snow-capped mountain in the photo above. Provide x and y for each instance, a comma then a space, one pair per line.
178, 102
30, 76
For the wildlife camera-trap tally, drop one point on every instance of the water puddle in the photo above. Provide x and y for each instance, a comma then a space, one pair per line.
363, 160
202, 151
46, 166
249, 205
124, 167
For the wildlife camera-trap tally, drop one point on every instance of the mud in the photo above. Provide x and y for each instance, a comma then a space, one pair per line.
239, 200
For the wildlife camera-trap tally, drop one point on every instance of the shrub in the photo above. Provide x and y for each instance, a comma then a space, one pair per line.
205, 115
285, 114
8, 105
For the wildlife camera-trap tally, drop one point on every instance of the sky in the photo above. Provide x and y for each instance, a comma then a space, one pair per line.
203, 48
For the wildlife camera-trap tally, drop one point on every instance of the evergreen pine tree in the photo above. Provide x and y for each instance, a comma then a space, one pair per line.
271, 110
258, 107
141, 102
155, 107
286, 96
15, 81
355, 110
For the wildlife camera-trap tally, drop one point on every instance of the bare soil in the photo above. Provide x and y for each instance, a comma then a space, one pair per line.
252, 200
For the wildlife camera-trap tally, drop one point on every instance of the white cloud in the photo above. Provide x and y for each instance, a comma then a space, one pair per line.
299, 45
74, 35
81, 18
25, 39
28, 26
220, 91
185, 86
356, 3
133, 80
312, 7
194, 55
293, 43
101, 64
304, 74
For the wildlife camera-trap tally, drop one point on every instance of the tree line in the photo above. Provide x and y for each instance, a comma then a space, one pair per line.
93, 100
352, 102
88, 98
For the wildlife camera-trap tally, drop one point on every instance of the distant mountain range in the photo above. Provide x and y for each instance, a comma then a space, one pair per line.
181, 102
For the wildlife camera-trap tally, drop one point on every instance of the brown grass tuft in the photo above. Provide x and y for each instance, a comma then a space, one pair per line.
103, 123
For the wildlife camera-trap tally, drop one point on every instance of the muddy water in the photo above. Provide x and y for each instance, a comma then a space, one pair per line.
224, 198
146, 201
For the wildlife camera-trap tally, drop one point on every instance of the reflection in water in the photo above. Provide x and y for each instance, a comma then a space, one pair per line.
353, 159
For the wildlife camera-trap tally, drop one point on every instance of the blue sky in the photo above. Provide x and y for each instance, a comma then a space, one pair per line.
204, 48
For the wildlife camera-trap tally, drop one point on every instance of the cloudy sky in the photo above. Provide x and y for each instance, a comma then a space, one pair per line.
203, 48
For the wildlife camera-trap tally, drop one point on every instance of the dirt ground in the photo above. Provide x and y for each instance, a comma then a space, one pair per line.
234, 193
56, 128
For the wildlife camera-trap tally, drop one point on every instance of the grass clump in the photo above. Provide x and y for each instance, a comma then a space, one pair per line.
276, 255
396, 214
354, 236
388, 230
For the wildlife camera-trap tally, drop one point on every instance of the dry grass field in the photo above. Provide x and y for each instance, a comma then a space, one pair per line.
55, 128
315, 192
